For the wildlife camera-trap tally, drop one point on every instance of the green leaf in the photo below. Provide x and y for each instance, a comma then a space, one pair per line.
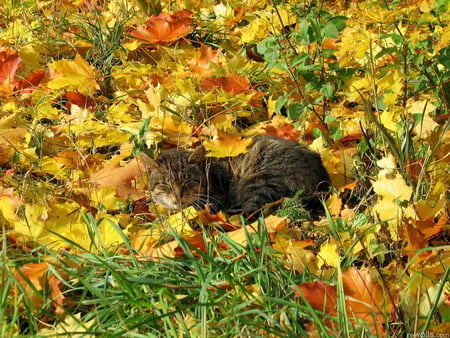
339, 22
330, 31
303, 36
336, 133
281, 101
327, 90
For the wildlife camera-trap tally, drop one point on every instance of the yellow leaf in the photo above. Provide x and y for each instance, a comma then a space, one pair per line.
179, 222
334, 204
174, 130
427, 209
392, 187
444, 39
390, 119
72, 323
108, 236
76, 75
299, 258
227, 145
328, 255
265, 22
426, 127
106, 198
9, 202
45, 110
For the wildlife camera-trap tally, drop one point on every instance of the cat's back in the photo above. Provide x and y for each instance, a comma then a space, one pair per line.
282, 158
273, 168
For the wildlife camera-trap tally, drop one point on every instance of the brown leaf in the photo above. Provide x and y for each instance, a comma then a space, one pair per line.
165, 27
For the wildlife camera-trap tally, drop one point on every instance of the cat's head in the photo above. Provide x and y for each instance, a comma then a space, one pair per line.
177, 179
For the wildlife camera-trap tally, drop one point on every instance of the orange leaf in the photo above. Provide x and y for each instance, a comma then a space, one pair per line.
320, 295
9, 63
283, 130
431, 227
57, 295
231, 83
32, 273
165, 28
200, 65
227, 145
366, 299
119, 176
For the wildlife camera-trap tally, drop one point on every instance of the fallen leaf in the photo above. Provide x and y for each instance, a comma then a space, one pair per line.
322, 297
120, 176
365, 300
76, 74
164, 28
9, 64
231, 83
200, 66
227, 145
328, 255
9, 202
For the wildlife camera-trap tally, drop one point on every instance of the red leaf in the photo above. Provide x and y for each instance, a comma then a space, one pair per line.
79, 99
31, 81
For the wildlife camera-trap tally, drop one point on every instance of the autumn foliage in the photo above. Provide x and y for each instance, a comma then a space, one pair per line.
86, 87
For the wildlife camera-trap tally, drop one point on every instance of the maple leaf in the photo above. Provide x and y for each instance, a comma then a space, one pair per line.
328, 255
298, 257
32, 80
9, 202
320, 295
114, 173
165, 27
76, 74
282, 127
40, 276
231, 83
365, 299
227, 145
78, 99
201, 65
9, 63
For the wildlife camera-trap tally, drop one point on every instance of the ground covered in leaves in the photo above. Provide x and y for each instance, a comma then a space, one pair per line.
85, 87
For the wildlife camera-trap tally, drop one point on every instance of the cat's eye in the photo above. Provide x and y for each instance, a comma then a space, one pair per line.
162, 187
191, 184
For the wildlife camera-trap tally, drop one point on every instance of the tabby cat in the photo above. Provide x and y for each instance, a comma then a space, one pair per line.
271, 169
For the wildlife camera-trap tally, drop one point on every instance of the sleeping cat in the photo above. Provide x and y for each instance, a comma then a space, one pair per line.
271, 169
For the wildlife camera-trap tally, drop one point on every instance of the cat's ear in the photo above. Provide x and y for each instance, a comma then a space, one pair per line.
198, 156
149, 162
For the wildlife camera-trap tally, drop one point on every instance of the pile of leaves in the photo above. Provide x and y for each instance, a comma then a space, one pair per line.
85, 87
